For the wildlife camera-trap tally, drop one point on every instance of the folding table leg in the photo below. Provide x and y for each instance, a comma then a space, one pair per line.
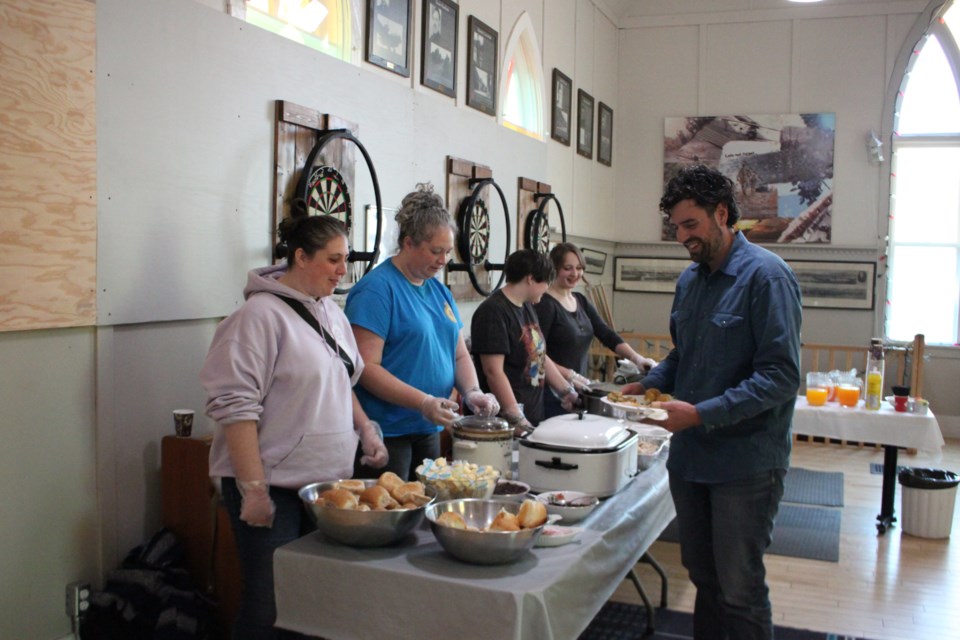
887, 517
635, 579
646, 558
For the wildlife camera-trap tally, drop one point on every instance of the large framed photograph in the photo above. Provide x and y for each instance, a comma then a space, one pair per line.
648, 275
604, 134
482, 67
836, 285
388, 34
584, 124
439, 56
594, 261
562, 98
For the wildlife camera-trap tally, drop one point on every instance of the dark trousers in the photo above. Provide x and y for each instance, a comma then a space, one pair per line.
406, 454
724, 530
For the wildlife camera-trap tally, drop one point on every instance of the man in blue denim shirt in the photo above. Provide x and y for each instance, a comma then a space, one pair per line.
734, 373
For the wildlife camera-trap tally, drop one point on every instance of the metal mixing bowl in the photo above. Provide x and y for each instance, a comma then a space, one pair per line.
360, 528
481, 547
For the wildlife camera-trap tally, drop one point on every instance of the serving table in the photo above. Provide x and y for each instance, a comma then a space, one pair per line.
414, 589
887, 427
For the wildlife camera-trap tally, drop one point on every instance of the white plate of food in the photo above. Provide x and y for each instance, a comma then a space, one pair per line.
634, 407
555, 536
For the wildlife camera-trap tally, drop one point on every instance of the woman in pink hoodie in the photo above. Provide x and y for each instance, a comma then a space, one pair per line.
279, 378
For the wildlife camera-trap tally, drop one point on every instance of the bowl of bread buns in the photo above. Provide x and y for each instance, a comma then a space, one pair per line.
367, 513
486, 531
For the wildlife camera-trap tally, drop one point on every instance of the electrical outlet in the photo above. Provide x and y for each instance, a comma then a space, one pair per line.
78, 599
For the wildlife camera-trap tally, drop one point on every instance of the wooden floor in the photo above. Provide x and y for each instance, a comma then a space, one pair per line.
889, 587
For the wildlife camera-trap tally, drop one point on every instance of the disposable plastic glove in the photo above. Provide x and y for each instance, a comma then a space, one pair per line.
482, 404
439, 411
375, 453
569, 400
256, 507
579, 382
644, 364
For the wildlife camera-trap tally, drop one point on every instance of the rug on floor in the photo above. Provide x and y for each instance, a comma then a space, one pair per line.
621, 621
823, 488
798, 532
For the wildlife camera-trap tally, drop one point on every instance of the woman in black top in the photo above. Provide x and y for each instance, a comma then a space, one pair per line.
569, 323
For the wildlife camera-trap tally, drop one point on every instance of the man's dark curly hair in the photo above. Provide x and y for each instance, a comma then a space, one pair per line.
705, 186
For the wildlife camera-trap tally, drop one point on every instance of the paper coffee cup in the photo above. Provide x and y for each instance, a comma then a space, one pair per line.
183, 422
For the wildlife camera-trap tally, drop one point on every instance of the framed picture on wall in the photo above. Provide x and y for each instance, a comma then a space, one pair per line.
388, 34
584, 124
481, 67
561, 100
836, 285
438, 59
648, 275
604, 134
594, 261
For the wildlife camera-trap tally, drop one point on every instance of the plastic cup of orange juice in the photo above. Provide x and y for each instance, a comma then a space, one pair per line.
818, 388
848, 394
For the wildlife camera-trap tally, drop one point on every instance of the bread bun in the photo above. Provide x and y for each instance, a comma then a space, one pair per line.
532, 514
406, 491
339, 498
390, 481
452, 519
353, 486
378, 498
505, 521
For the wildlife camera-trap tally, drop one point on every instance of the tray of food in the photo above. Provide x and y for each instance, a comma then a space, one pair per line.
632, 407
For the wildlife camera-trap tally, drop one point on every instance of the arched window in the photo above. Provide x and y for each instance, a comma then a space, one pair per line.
523, 85
323, 25
924, 258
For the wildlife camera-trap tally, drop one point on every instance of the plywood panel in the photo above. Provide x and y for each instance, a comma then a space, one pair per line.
48, 208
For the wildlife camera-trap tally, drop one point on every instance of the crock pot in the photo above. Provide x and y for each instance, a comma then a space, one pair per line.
484, 440
579, 452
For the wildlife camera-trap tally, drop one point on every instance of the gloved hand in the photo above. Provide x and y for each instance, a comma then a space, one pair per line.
375, 453
256, 507
579, 382
569, 400
644, 364
439, 411
482, 404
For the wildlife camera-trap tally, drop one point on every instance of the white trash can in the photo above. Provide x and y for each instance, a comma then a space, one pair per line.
929, 496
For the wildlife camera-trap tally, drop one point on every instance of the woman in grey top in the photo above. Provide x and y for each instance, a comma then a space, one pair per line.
569, 323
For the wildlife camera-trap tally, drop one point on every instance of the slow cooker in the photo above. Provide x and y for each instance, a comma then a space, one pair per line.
579, 452
484, 440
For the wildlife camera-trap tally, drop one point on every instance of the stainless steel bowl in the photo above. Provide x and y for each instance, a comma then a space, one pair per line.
360, 528
481, 547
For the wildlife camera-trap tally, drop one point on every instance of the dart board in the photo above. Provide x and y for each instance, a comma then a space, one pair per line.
536, 234
327, 193
473, 244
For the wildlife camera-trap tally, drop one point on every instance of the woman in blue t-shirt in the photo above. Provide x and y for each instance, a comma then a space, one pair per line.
410, 336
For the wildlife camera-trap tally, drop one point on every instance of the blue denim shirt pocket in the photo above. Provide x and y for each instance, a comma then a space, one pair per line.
729, 338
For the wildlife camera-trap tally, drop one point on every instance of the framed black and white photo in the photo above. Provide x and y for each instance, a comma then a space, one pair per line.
584, 124
593, 261
388, 34
836, 285
604, 134
649, 275
561, 101
439, 56
481, 67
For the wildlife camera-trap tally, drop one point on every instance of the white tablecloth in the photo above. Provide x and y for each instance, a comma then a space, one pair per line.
415, 590
885, 426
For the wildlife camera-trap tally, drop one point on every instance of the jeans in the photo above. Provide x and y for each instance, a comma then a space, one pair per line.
724, 530
406, 454
255, 547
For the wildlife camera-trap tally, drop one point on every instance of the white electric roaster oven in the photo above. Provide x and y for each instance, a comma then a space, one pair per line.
579, 452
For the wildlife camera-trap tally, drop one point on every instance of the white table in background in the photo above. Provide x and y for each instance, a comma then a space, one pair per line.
892, 429
415, 590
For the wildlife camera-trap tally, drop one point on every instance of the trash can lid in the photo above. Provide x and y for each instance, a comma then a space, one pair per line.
918, 478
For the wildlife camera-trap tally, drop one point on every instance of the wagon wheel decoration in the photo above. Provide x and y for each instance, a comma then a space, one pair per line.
473, 245
322, 190
536, 233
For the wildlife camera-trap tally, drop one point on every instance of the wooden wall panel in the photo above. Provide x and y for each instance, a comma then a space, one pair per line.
48, 180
